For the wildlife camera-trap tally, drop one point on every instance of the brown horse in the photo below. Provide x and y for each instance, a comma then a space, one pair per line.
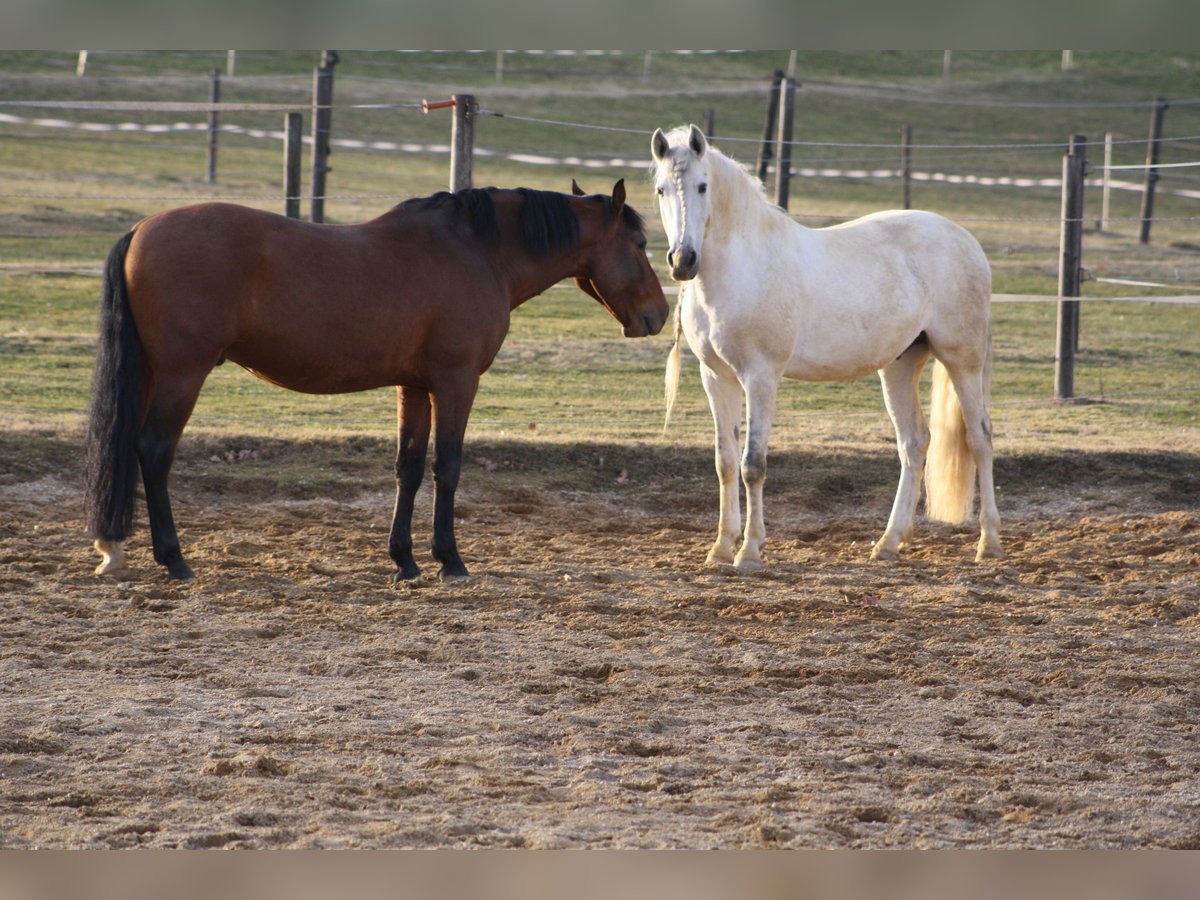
419, 298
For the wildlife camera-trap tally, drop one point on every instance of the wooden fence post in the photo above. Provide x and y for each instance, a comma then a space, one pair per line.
322, 119
764, 149
291, 165
906, 165
1070, 267
710, 123
214, 97
783, 171
1152, 152
462, 141
1105, 181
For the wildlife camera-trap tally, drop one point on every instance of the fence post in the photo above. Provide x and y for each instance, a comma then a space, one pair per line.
710, 123
1106, 188
1152, 151
1070, 267
906, 164
764, 149
783, 170
214, 97
291, 165
462, 141
322, 119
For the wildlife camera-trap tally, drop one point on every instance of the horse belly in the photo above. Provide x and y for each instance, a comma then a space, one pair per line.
330, 355
838, 348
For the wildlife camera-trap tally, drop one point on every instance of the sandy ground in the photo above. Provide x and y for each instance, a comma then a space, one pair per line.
593, 685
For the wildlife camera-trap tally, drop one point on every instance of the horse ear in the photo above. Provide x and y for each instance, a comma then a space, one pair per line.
576, 190
659, 145
697, 141
618, 197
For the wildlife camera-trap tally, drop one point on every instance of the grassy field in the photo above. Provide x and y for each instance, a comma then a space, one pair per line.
565, 373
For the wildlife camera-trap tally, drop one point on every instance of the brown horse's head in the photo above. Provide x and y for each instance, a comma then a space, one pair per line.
617, 272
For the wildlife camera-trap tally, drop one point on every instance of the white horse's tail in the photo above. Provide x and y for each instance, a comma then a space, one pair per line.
949, 466
674, 363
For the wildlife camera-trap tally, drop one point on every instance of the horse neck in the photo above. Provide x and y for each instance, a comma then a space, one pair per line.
738, 201
526, 274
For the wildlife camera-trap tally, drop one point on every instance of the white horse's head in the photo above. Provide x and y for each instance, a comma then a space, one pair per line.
681, 181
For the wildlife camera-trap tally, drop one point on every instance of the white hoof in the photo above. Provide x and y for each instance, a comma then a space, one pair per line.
986, 551
719, 555
113, 562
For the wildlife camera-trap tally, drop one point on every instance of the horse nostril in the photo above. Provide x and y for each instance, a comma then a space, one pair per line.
689, 259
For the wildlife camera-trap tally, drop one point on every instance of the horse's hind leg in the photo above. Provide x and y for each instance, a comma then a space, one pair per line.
156, 446
968, 384
901, 394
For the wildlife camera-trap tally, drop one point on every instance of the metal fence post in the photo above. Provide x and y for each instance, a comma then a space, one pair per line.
214, 97
1152, 152
1070, 267
322, 119
291, 165
765, 152
783, 170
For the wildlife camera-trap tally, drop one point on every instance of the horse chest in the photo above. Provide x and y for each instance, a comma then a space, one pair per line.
738, 325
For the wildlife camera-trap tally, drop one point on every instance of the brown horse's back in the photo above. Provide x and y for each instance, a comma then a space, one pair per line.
314, 308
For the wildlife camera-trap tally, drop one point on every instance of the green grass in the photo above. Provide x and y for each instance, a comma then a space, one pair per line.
565, 375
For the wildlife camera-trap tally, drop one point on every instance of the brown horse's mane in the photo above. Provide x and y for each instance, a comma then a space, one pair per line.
548, 223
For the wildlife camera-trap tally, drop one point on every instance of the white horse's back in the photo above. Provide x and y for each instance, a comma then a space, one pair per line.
868, 288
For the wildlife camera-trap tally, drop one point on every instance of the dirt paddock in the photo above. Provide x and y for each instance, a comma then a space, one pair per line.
594, 685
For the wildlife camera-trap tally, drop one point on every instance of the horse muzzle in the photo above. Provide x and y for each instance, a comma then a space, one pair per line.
684, 263
646, 324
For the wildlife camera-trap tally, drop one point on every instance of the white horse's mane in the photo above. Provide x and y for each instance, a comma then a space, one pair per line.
738, 187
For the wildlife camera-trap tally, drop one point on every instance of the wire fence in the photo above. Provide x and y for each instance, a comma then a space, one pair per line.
828, 160
962, 151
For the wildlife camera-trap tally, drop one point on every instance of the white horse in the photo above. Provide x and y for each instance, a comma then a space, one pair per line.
767, 298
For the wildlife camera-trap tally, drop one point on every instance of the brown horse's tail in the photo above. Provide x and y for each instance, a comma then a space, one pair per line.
110, 446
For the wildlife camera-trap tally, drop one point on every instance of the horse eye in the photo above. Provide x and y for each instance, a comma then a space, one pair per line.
659, 191
703, 188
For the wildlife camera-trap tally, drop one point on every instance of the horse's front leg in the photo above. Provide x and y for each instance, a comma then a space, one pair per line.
725, 400
412, 415
451, 406
760, 412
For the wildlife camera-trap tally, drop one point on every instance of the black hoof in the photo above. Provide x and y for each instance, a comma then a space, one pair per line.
406, 573
453, 573
178, 570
